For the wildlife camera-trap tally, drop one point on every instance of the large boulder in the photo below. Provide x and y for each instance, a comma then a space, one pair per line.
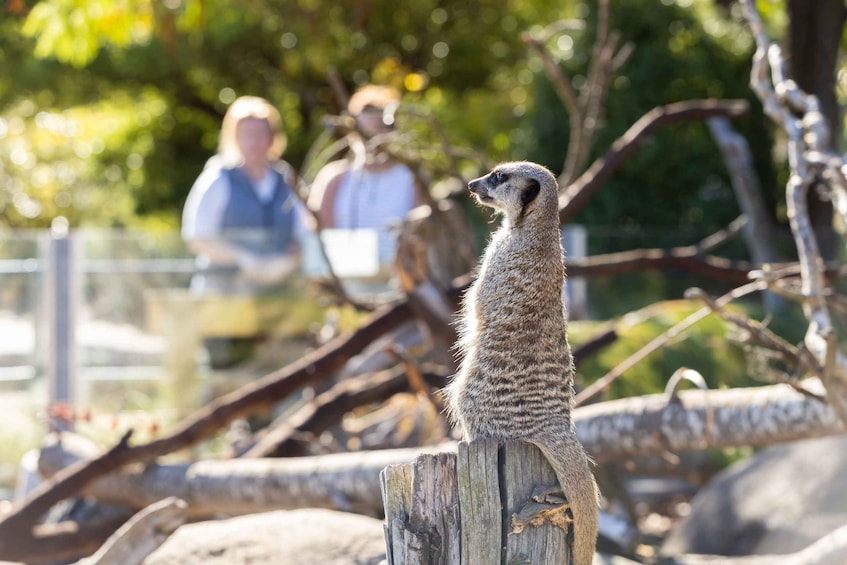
276, 538
778, 501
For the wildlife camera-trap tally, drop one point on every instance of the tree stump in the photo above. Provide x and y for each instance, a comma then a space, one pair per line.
490, 503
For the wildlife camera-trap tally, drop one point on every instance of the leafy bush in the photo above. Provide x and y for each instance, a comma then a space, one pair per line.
710, 347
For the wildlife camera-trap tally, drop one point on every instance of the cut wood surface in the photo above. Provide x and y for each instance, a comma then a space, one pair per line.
481, 508
471, 508
421, 511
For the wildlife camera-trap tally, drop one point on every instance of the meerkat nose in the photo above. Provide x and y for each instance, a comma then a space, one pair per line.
473, 186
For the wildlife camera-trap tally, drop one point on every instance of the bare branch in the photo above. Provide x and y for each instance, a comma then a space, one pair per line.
604, 382
719, 238
585, 109
606, 60
797, 359
579, 193
758, 235
642, 260
799, 115
141, 535
203, 424
561, 82
614, 430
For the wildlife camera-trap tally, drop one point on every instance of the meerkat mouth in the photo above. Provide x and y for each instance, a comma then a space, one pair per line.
483, 197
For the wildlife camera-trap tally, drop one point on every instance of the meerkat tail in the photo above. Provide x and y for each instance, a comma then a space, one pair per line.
571, 465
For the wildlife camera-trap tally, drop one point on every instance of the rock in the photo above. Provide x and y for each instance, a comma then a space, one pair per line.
602, 559
278, 538
778, 501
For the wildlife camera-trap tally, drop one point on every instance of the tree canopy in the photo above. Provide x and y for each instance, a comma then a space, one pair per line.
108, 110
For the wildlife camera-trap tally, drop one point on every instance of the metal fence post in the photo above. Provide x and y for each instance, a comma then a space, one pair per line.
62, 298
575, 242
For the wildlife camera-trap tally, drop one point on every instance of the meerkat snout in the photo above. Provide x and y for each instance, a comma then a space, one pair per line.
478, 188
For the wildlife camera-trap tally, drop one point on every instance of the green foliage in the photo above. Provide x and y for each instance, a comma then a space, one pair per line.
195, 56
678, 179
704, 348
174, 66
21, 433
73, 30
83, 163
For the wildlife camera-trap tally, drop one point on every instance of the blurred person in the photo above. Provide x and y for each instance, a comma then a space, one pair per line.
242, 218
368, 189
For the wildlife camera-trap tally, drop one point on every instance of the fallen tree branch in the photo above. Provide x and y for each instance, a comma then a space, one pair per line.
686, 258
641, 426
654, 424
343, 481
141, 535
203, 424
328, 409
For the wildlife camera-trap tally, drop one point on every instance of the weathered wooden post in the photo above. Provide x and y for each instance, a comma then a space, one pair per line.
486, 504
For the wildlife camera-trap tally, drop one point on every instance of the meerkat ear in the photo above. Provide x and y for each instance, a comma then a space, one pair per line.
530, 191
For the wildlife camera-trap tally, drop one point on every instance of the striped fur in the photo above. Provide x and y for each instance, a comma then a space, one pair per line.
515, 380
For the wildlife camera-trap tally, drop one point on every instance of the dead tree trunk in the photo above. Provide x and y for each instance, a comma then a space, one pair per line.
477, 506
343, 481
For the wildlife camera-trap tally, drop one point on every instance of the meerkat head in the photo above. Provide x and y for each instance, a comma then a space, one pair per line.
519, 190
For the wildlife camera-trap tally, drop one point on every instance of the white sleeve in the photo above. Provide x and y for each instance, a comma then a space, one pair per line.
302, 224
204, 208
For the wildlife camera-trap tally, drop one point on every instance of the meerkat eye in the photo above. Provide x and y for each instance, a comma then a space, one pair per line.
498, 177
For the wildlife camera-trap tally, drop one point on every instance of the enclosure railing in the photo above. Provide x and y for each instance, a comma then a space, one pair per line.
55, 285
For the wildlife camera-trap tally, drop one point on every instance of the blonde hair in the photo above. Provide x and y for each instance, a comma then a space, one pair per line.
245, 107
372, 95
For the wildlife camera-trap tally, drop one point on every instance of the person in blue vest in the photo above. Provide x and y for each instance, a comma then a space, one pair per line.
242, 218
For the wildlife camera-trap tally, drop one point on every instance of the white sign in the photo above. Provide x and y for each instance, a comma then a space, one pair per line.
352, 253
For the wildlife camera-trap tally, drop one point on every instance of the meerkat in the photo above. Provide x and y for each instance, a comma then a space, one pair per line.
515, 380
